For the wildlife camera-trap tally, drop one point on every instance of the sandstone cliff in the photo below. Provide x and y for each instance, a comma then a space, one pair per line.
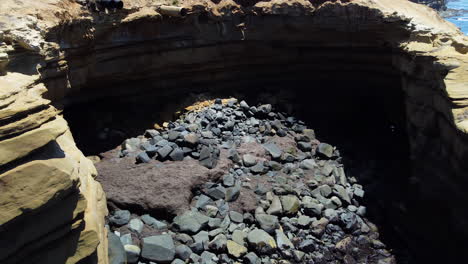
55, 51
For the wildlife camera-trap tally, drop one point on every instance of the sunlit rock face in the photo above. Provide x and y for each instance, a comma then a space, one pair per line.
54, 53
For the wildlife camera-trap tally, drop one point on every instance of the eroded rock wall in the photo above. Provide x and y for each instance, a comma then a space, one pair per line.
51, 208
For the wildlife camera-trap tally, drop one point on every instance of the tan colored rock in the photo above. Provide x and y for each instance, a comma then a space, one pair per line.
28, 123
22, 145
96, 208
235, 249
32, 185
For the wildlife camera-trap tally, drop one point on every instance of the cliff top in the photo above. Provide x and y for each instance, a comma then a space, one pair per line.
46, 13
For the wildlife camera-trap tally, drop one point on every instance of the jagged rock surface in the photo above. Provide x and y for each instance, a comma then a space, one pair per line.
76, 51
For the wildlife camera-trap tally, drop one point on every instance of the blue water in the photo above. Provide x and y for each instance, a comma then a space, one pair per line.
460, 21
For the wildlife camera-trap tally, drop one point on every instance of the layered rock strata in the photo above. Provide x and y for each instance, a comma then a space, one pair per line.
52, 209
57, 50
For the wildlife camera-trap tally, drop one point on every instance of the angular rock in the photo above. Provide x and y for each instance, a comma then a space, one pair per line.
275, 208
261, 241
290, 204
191, 139
183, 252
312, 207
209, 156
267, 222
249, 160
190, 222
244, 106
341, 192
325, 150
232, 193
319, 226
133, 253
331, 214
202, 238
177, 154
214, 223
349, 221
308, 164
158, 248
143, 157
239, 237
126, 239
282, 241
236, 217
203, 201
273, 150
307, 245
258, 168
136, 225
153, 222
131, 144
164, 152
217, 192
120, 218
234, 156
322, 190
117, 253
236, 250
208, 258
304, 146
309, 133
218, 244
251, 258
228, 180
304, 221
178, 261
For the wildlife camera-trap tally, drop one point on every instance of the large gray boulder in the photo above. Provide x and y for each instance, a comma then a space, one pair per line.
325, 150
267, 222
261, 241
159, 248
190, 222
273, 150
116, 251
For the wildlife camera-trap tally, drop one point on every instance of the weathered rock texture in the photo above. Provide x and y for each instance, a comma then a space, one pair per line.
163, 190
56, 50
51, 208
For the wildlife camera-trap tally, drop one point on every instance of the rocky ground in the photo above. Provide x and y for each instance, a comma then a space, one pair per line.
246, 184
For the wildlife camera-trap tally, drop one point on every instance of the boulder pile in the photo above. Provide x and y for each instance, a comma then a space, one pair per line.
285, 199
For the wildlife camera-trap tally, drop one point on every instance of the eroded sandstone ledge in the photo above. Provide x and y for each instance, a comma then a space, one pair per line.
79, 56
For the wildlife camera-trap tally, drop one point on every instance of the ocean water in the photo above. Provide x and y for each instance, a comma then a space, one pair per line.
460, 21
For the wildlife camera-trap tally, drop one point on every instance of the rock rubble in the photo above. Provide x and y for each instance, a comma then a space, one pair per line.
306, 209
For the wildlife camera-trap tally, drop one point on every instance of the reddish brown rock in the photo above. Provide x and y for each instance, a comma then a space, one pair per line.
158, 187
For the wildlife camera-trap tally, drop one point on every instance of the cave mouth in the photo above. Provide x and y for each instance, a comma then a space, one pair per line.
360, 112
